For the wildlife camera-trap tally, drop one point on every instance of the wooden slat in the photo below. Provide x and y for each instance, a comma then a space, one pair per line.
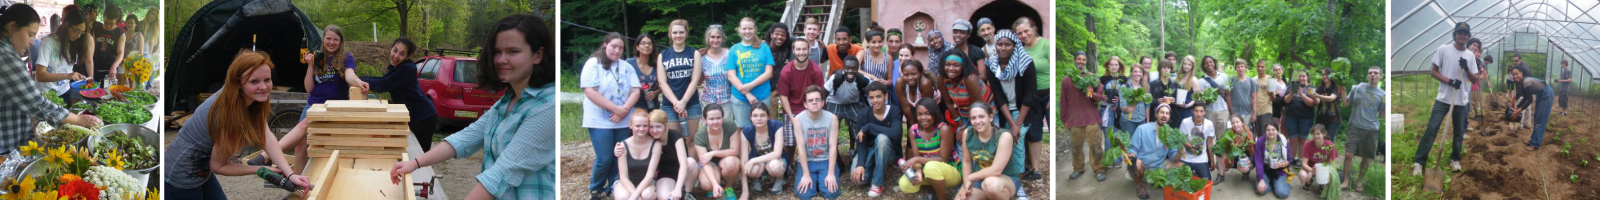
356, 107
323, 178
357, 131
396, 113
365, 184
411, 190
347, 155
360, 125
353, 152
350, 141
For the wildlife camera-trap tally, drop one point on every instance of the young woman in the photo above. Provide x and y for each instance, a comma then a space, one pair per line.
1109, 82
962, 88
136, 40
1327, 96
676, 166
991, 166
1272, 157
766, 147
401, 84
60, 51
517, 133
713, 62
680, 65
875, 63
1530, 90
1319, 151
230, 124
1299, 111
641, 157
19, 26
780, 44
720, 149
1133, 114
329, 76
932, 162
645, 63
916, 84
611, 89
1241, 133
820, 132
1183, 93
749, 68
1012, 74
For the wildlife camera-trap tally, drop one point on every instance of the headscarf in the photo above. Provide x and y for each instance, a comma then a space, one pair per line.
933, 54
1019, 58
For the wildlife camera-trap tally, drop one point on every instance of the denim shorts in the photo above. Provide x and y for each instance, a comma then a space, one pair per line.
672, 114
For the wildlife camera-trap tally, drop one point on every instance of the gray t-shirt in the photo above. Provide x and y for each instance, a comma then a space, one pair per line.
1368, 102
1566, 74
816, 134
189, 156
1244, 89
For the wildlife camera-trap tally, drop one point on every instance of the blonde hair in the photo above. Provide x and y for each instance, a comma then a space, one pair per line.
1187, 80
334, 58
236, 120
658, 116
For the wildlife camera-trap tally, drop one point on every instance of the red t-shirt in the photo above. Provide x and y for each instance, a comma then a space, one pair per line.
1319, 153
793, 84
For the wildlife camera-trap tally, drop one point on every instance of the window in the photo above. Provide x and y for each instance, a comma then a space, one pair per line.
429, 70
466, 71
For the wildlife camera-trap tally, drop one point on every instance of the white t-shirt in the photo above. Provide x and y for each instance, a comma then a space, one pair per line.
613, 84
1222, 86
1448, 60
1206, 130
50, 57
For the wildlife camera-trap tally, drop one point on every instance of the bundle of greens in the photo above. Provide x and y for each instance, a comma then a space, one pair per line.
1120, 142
1224, 143
1138, 95
53, 97
122, 113
1177, 178
1171, 137
1207, 96
1083, 80
135, 152
139, 98
82, 106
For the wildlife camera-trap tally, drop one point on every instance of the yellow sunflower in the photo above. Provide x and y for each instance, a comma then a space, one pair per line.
115, 160
31, 149
19, 189
58, 156
50, 195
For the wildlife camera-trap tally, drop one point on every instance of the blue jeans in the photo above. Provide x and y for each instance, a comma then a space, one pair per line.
1297, 128
211, 190
1332, 130
819, 173
874, 159
1459, 120
605, 160
1541, 117
1278, 186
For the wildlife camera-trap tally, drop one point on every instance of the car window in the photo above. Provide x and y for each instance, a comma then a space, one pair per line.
430, 69
466, 71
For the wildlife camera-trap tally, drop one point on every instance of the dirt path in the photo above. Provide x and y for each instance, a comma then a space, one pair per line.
1496, 164
1118, 185
578, 157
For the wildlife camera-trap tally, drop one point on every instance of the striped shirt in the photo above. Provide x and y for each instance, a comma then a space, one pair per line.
518, 145
22, 101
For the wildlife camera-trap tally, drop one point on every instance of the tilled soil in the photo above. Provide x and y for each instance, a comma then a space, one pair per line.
1497, 165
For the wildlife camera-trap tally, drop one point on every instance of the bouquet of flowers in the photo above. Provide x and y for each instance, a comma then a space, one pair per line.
137, 69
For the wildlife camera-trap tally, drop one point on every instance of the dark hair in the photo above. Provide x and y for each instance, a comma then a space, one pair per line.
21, 14
894, 32
873, 33
540, 42
927, 102
651, 59
850, 62
1079, 53
1517, 56
71, 15
1473, 41
879, 87
112, 13
1563, 61
710, 107
1171, 54
405, 41
1203, 63
758, 106
912, 62
1143, 58
600, 53
1487, 59
966, 64
846, 30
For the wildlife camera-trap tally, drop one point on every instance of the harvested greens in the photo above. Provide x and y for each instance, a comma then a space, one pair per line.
134, 151
122, 113
139, 98
54, 98
65, 135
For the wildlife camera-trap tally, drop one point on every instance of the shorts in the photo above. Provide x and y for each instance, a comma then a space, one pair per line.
692, 112
1362, 143
931, 171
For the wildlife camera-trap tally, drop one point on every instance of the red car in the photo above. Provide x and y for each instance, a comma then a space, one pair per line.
452, 83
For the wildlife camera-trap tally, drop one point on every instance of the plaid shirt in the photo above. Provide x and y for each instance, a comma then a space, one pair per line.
20, 100
518, 145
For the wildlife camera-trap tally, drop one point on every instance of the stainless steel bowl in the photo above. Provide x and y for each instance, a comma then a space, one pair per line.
149, 137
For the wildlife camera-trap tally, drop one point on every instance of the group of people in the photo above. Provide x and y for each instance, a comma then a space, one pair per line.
515, 135
671, 122
1292, 122
1461, 67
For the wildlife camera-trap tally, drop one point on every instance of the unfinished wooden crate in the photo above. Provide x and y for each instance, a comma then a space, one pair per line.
357, 128
357, 178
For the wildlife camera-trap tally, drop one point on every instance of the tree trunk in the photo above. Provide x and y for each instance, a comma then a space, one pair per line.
1092, 51
1330, 33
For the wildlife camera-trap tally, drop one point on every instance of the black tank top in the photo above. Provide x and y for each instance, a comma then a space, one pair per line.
638, 167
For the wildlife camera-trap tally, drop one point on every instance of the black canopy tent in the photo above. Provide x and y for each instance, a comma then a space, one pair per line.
216, 32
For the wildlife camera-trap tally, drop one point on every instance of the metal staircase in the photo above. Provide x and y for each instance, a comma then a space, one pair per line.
827, 11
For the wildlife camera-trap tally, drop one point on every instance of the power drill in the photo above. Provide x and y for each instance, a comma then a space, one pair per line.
277, 179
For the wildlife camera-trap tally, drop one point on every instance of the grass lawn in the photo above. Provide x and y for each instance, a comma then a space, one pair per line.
1403, 147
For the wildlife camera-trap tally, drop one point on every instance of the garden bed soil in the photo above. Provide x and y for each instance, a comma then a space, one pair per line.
1497, 165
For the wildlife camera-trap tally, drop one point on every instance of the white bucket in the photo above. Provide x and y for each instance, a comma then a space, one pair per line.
1397, 122
1322, 174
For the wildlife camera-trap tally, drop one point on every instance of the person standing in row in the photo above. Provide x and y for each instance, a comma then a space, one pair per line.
680, 68
1365, 121
875, 62
841, 48
749, 69
713, 67
1084, 127
1012, 73
610, 89
644, 65
802, 73
781, 44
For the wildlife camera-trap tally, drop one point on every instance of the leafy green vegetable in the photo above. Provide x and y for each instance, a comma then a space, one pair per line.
135, 152
1207, 96
1177, 178
65, 135
1082, 80
122, 113
139, 98
1119, 145
1171, 137
1138, 95
81, 106
53, 97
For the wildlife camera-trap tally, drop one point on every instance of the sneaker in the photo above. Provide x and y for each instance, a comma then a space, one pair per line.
777, 186
1031, 175
1416, 169
756, 183
1100, 177
1455, 165
875, 191
596, 195
1075, 175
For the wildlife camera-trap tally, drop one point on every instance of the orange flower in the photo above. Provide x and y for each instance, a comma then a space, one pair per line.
67, 178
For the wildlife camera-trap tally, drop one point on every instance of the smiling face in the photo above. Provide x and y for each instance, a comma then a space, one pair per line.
986, 31
1272, 131
747, 31
1005, 48
515, 59
759, 117
801, 50
658, 130
640, 125
678, 34
715, 38
397, 54
1025, 32
1516, 74
1080, 60
980, 119
925, 117
874, 44
1137, 74
905, 53
258, 84
1114, 66
779, 35
1237, 123
331, 41
645, 47
1303, 78
877, 99
811, 31
936, 42
952, 69
714, 120
841, 39
1199, 111
959, 37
